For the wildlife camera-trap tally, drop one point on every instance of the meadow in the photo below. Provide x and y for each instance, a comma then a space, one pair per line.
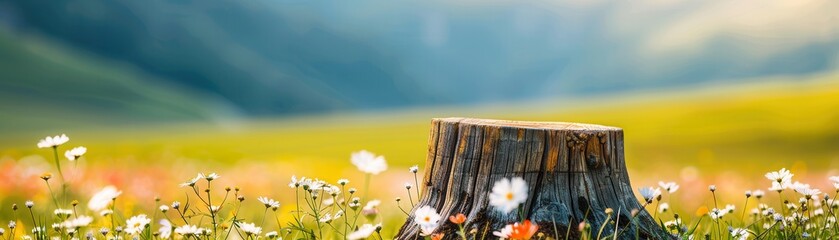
727, 137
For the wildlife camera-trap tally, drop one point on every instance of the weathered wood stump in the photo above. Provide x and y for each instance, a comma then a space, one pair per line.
574, 172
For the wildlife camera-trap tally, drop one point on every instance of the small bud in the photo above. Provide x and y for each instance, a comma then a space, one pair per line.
176, 205
241, 198
227, 189
712, 188
46, 176
74, 203
398, 199
29, 204
14, 207
609, 211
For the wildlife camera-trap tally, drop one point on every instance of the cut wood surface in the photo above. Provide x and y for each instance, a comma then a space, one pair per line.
574, 173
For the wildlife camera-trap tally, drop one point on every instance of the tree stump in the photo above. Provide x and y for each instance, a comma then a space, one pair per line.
574, 172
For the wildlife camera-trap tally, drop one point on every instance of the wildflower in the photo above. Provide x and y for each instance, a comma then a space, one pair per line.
363, 232
271, 235
187, 230
62, 213
269, 203
712, 188
191, 182
214, 208
250, 228
524, 230
758, 193
649, 193
507, 194
371, 208
748, 194
29, 204
729, 208
211, 176
176, 205
136, 224
343, 182
835, 181
165, 230
670, 187
105, 212
294, 183
332, 190
368, 162
414, 169
738, 233
326, 218
104, 231
12, 224
2, 231
781, 176
103, 198
164, 208
458, 219
338, 215
75, 153
779, 187
427, 217
804, 189
80, 221
46, 176
673, 224
408, 186
663, 207
53, 141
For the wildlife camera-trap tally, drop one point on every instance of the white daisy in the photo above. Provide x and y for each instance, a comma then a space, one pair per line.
363, 232
739, 233
663, 207
507, 194
427, 217
670, 187
136, 224
187, 230
191, 182
649, 193
269, 203
103, 198
75, 153
212, 176
55, 141
835, 181
343, 181
368, 162
62, 213
505, 232
780, 176
80, 221
250, 228
165, 230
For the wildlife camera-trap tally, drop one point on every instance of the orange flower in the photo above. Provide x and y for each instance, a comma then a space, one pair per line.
458, 219
524, 230
437, 236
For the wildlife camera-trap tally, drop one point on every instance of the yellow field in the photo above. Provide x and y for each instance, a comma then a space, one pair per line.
728, 137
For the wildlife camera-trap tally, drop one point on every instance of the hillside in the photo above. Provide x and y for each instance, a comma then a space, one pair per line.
47, 86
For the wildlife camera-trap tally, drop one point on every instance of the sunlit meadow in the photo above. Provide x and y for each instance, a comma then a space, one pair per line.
70, 204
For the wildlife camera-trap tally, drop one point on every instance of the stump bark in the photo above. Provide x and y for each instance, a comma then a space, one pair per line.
574, 172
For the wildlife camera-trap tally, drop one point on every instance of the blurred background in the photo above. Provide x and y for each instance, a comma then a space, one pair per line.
708, 92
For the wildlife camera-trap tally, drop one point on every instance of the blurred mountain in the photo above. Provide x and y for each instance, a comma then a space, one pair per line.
267, 57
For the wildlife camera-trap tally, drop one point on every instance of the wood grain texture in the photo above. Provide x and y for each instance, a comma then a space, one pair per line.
574, 173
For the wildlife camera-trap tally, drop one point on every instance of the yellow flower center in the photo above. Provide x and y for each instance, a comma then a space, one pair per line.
509, 196
427, 218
